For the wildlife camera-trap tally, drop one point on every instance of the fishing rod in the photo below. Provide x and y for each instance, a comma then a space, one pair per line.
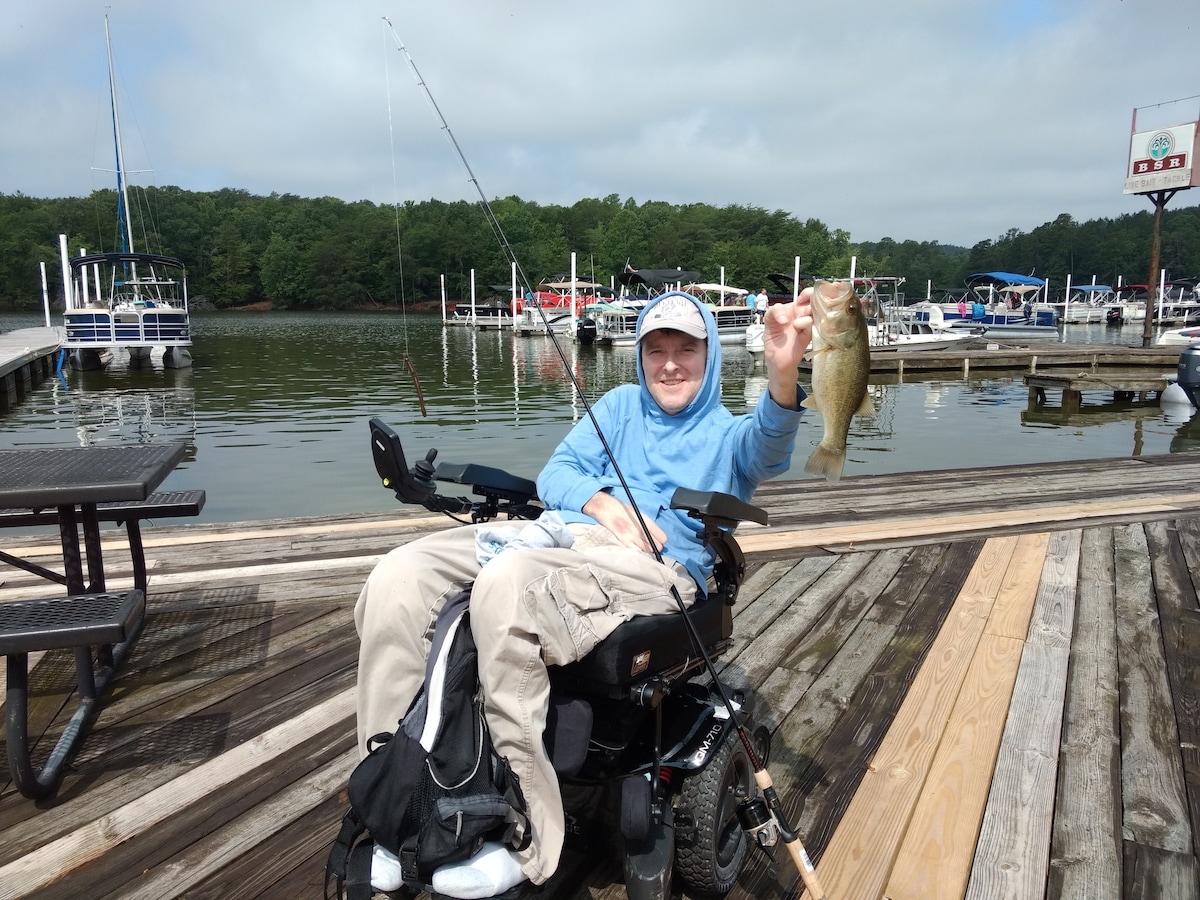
763, 817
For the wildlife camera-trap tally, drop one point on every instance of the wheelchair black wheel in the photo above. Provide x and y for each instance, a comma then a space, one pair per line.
710, 859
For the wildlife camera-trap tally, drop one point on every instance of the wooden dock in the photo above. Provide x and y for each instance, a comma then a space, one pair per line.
26, 358
982, 683
1126, 388
1029, 356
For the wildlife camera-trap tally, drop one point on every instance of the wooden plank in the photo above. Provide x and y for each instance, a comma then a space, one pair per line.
1054, 612
763, 654
1014, 600
1012, 852
1085, 855
1012, 849
934, 860
1155, 874
863, 849
831, 659
1013, 846
218, 849
289, 862
89, 841
209, 814
817, 773
1180, 623
159, 715
964, 524
1155, 801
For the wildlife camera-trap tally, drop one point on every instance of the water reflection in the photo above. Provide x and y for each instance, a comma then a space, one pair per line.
1187, 435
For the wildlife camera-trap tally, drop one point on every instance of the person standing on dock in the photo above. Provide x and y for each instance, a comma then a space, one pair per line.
551, 605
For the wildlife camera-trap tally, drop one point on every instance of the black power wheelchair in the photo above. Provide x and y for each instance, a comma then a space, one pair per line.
631, 723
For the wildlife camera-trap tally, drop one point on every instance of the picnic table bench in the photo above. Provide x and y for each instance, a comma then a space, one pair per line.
130, 513
75, 489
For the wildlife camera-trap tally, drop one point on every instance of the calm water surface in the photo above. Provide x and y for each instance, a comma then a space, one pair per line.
275, 409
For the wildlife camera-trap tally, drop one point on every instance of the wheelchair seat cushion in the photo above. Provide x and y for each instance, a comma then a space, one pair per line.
647, 645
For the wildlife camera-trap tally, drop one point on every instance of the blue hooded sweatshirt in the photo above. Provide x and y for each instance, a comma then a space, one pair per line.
704, 447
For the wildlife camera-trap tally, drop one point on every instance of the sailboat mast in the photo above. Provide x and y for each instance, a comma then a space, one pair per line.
124, 223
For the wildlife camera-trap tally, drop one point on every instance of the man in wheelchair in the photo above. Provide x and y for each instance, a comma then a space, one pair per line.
591, 568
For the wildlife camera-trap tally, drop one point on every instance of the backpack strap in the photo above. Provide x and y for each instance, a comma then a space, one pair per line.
349, 864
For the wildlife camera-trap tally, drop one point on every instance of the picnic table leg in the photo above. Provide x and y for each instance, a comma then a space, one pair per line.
93, 675
95, 557
32, 784
91, 685
137, 553
68, 532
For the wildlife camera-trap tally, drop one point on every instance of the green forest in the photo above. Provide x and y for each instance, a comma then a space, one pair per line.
324, 253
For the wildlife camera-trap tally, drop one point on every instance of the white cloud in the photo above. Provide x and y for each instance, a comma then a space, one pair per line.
932, 120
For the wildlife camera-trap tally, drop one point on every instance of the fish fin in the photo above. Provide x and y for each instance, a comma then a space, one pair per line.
824, 461
866, 408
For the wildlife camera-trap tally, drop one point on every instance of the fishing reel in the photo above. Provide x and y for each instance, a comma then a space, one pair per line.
758, 821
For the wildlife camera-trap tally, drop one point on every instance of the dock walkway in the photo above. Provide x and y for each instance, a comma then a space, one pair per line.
26, 357
982, 683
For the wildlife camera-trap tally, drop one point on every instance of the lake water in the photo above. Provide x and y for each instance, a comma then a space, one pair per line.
275, 409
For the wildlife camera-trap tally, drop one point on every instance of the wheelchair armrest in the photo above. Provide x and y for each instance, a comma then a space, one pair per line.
714, 507
486, 480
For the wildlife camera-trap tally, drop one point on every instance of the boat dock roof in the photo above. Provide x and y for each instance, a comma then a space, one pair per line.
981, 683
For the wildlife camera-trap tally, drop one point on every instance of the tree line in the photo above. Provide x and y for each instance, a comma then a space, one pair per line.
324, 253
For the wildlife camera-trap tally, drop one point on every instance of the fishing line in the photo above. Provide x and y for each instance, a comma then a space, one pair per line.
761, 776
412, 372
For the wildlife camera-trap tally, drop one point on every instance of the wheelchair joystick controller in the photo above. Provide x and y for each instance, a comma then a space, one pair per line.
422, 475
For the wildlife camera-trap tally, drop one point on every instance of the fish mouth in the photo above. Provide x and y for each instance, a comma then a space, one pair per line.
835, 313
827, 295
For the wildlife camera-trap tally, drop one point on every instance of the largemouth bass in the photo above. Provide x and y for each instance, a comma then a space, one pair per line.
841, 362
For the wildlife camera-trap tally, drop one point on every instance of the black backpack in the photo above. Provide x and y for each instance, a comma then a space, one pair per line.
437, 806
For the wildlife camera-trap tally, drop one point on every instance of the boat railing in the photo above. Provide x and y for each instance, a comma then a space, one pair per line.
103, 328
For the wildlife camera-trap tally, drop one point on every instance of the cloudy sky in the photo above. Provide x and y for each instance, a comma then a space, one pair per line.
939, 120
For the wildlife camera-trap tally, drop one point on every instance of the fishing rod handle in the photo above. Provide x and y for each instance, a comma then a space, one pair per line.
804, 865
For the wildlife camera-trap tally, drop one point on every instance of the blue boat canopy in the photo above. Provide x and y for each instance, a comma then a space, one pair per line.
1002, 278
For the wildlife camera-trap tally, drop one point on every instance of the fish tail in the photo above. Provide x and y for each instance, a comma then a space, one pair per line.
827, 462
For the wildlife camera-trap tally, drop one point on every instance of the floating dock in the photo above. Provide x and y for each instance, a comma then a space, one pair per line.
26, 358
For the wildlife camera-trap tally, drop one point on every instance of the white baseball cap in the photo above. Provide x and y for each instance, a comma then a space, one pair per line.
676, 311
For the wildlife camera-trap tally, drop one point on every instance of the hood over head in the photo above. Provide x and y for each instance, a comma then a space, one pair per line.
682, 312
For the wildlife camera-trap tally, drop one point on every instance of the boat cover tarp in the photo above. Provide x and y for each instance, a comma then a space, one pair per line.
656, 279
1000, 278
112, 259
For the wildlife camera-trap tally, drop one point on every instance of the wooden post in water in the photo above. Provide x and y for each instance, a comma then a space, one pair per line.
1159, 199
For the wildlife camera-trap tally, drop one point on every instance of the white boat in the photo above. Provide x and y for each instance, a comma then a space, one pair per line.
1001, 324
616, 323
140, 304
1005, 304
1085, 304
717, 294
124, 299
1180, 336
1127, 305
892, 328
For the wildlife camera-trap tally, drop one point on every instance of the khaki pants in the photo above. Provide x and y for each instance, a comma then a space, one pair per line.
529, 609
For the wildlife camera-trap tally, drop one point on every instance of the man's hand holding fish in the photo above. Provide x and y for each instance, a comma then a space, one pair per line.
786, 337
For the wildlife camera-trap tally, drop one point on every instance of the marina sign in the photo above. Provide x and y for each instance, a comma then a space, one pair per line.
1163, 159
